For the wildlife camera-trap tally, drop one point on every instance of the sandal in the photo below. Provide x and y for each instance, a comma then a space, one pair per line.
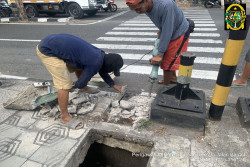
235, 85
74, 124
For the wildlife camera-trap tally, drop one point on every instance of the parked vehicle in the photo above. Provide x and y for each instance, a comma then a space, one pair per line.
75, 8
108, 5
5, 10
217, 3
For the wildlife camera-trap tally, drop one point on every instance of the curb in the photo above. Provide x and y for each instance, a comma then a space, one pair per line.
40, 20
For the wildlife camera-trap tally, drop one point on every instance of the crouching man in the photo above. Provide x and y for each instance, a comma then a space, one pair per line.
63, 54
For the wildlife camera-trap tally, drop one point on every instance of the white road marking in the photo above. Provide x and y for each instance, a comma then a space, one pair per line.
200, 60
138, 25
206, 49
191, 40
205, 29
203, 22
205, 35
150, 47
127, 47
53, 24
130, 39
204, 25
156, 29
154, 34
12, 77
20, 40
126, 39
200, 74
136, 28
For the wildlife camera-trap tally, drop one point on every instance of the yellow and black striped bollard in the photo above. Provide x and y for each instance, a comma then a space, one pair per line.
230, 59
184, 75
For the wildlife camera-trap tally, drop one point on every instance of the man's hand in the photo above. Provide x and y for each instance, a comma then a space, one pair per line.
156, 60
118, 88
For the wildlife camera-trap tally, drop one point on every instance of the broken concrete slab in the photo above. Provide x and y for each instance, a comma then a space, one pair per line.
25, 99
89, 107
72, 95
72, 109
126, 105
115, 104
5, 95
80, 100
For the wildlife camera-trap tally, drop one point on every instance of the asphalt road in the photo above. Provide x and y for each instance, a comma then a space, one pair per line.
18, 55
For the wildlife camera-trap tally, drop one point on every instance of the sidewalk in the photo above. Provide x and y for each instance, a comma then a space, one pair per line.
31, 139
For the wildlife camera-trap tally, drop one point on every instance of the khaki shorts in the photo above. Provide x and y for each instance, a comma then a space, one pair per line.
59, 70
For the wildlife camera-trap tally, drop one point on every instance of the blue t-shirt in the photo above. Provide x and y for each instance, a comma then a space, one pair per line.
77, 53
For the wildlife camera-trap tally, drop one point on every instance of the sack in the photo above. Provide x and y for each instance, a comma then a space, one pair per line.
191, 25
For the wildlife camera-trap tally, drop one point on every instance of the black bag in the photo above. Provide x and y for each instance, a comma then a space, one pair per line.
191, 25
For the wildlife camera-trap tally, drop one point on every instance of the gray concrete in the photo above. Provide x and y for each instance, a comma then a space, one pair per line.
30, 138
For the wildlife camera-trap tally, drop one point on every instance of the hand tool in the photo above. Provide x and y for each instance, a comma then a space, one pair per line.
154, 72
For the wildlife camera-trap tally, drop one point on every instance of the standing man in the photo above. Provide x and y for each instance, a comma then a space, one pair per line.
173, 26
63, 54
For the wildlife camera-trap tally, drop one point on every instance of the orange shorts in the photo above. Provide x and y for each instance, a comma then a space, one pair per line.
170, 53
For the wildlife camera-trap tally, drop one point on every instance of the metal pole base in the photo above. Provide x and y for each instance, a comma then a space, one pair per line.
190, 113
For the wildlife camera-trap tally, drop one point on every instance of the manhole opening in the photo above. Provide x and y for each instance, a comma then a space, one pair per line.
101, 155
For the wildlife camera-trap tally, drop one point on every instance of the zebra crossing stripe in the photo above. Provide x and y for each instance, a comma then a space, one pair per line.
195, 21
150, 47
127, 47
152, 25
198, 17
131, 33
202, 19
138, 25
155, 29
204, 25
205, 35
200, 74
186, 12
206, 49
130, 39
126, 39
205, 29
204, 41
136, 28
139, 21
150, 22
200, 60
154, 34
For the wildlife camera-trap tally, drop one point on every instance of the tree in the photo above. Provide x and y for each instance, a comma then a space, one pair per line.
21, 12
